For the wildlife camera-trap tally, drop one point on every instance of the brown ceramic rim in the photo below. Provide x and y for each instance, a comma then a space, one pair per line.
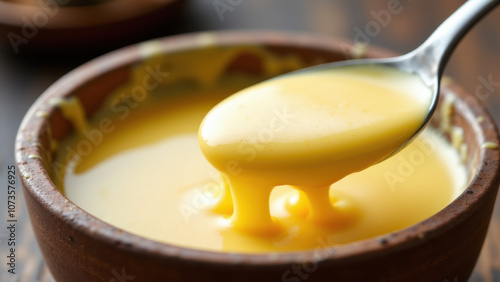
40, 186
65, 17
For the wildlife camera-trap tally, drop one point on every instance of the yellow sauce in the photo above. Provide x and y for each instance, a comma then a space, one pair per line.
309, 130
157, 184
138, 165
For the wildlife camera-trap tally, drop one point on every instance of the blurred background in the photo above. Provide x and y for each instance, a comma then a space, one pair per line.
42, 40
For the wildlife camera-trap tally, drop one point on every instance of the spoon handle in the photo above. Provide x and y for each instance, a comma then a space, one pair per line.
436, 50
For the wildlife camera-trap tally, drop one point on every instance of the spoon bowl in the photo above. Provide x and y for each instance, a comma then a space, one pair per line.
429, 59
340, 122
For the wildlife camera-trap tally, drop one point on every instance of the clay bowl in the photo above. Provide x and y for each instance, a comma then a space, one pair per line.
80, 247
64, 26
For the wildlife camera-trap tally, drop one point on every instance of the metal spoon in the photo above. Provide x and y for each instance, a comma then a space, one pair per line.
428, 60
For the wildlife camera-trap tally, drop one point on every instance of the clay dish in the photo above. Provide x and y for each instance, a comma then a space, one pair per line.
80, 247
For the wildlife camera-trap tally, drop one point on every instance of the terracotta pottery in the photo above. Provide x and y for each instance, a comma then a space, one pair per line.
80, 247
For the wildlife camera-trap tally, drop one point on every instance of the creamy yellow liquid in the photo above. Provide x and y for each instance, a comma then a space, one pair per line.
309, 130
149, 177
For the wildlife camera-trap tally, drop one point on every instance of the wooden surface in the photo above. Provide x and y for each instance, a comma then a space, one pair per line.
475, 62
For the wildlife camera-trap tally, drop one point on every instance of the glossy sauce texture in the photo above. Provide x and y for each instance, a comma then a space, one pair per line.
150, 178
309, 130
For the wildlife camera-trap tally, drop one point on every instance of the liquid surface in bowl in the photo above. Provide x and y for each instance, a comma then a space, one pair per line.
149, 177
309, 130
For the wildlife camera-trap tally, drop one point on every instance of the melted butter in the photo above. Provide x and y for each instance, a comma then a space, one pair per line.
309, 130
